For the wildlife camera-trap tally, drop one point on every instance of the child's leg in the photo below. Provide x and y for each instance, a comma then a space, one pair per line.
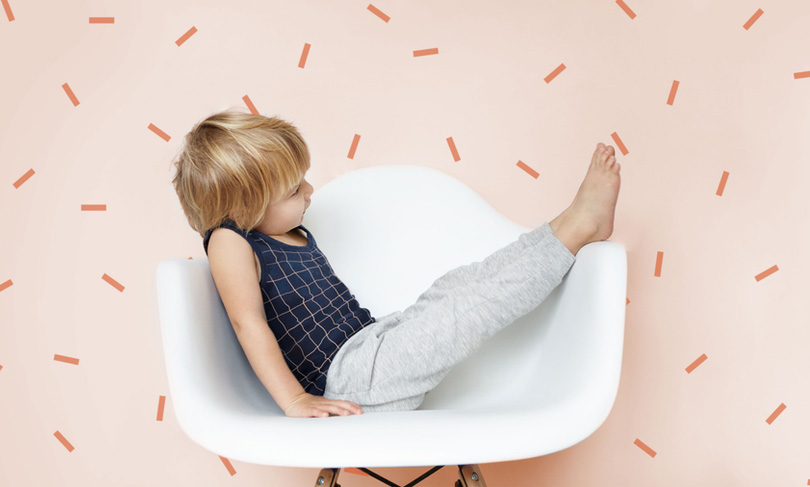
412, 351
391, 364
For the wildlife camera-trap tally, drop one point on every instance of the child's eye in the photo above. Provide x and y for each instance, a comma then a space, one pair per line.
296, 190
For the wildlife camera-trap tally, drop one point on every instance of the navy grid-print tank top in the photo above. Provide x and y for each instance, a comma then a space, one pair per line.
309, 309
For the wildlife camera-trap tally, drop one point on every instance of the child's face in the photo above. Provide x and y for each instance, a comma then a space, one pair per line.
287, 211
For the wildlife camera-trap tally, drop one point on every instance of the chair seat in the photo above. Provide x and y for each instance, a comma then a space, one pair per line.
543, 384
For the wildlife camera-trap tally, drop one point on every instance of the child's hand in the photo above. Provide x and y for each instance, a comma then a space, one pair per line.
310, 406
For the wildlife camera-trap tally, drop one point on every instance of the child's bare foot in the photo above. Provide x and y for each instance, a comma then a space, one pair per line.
590, 216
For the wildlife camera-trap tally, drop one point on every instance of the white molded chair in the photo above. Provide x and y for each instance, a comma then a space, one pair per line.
541, 385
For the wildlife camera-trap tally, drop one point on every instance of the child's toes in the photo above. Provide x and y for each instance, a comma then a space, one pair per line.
604, 157
596, 155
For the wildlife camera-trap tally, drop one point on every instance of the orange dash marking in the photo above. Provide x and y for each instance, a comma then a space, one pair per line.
619, 143
228, 465
185, 36
649, 451
63, 440
102, 20
426, 52
6, 285
1, 367
304, 54
65, 359
161, 404
70, 94
112, 282
554, 73
453, 149
7, 8
378, 13
695, 364
776, 413
722, 185
353, 148
626, 9
753, 19
23, 178
762, 275
801, 74
672, 92
250, 105
659, 261
529, 170
94, 207
163, 135
628, 301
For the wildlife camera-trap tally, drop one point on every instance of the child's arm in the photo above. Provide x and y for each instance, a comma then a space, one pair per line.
231, 260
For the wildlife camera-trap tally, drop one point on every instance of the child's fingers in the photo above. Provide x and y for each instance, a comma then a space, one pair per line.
351, 406
339, 408
316, 412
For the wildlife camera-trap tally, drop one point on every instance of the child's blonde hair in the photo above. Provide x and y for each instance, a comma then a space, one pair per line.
234, 164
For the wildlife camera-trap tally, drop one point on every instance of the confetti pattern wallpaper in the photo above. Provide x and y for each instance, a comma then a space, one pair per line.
706, 102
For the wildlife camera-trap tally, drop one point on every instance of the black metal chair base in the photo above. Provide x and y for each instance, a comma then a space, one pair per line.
468, 476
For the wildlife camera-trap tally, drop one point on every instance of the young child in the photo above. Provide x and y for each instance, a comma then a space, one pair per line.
241, 182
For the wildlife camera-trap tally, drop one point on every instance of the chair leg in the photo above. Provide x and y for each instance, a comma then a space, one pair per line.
328, 478
470, 476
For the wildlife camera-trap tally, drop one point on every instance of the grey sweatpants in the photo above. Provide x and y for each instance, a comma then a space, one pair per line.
391, 364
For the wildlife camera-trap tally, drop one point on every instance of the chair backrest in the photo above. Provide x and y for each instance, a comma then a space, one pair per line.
206, 366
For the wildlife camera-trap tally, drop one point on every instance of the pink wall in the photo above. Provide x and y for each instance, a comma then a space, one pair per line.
742, 106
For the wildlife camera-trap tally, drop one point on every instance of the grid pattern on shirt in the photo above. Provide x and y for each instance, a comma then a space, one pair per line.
309, 309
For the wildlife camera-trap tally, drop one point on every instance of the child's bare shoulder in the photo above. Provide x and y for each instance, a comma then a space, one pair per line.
226, 248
